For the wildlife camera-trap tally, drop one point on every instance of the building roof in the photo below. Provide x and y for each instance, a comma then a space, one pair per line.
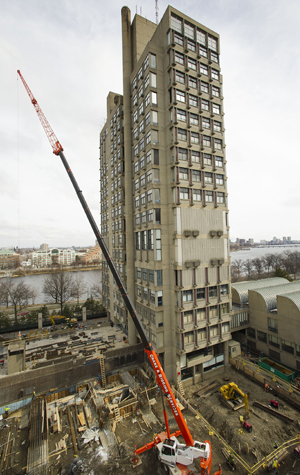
293, 296
269, 294
241, 288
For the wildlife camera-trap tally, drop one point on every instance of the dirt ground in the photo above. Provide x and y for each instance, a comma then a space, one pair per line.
94, 459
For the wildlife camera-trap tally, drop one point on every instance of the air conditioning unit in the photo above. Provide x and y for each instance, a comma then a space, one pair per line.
220, 262
187, 233
213, 262
213, 233
195, 233
220, 233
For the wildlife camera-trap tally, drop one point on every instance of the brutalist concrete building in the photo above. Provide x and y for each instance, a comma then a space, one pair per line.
164, 213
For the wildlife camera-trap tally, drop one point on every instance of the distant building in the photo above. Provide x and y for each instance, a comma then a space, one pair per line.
52, 256
94, 254
251, 241
9, 259
44, 247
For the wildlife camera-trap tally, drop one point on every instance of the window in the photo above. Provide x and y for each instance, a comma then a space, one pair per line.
179, 58
205, 123
204, 105
138, 273
212, 292
147, 119
216, 109
154, 98
158, 244
150, 215
149, 196
193, 100
152, 296
187, 317
148, 137
209, 196
159, 278
191, 45
135, 116
146, 62
181, 115
147, 100
203, 69
176, 23
208, 177
150, 239
154, 117
180, 96
142, 144
152, 61
182, 154
200, 293
195, 156
141, 108
287, 346
196, 174
215, 74
183, 174
197, 195
187, 295
137, 201
192, 82
156, 156
143, 215
218, 144
184, 193
194, 119
159, 298
214, 57
224, 308
224, 289
178, 39
136, 184
273, 325
261, 336
203, 51
215, 91
219, 179
146, 82
192, 64
151, 275
188, 337
212, 43
189, 30
138, 240
153, 79
134, 100
225, 327
144, 240
143, 198
219, 162
214, 330
206, 141
217, 126
141, 91
157, 195
145, 274
143, 179
274, 341
201, 37
157, 215
194, 137
251, 332
149, 176
141, 127
179, 77
182, 135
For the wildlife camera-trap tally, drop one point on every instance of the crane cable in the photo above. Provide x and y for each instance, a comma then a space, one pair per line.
18, 156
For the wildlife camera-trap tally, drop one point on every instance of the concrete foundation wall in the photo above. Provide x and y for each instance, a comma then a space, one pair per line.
61, 375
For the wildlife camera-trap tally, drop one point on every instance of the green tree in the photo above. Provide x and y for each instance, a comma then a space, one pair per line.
279, 272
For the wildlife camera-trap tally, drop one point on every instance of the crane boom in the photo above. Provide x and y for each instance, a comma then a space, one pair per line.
152, 355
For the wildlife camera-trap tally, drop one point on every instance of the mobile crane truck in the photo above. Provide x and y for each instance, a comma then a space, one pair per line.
171, 453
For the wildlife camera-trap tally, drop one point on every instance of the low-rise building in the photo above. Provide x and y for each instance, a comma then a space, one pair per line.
9, 259
270, 322
52, 256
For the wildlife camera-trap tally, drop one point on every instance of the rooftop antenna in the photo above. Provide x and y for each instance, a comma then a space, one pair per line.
156, 11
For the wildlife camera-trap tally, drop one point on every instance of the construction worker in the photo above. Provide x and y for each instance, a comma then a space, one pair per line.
7, 409
266, 388
275, 445
33, 394
275, 466
242, 420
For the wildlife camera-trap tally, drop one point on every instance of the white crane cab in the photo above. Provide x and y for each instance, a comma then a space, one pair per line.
171, 452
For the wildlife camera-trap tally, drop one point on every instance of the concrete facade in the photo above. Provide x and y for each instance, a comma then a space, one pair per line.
164, 212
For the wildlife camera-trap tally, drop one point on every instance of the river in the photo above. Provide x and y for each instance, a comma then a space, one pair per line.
254, 252
90, 278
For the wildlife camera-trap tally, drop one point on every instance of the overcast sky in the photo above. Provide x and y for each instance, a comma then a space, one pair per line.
66, 49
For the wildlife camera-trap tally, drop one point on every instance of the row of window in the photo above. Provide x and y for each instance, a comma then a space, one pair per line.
151, 196
113, 120
200, 316
202, 293
275, 341
116, 129
196, 120
151, 98
195, 176
150, 60
152, 156
145, 240
152, 176
149, 216
195, 195
192, 82
194, 33
197, 336
193, 156
175, 38
149, 274
149, 80
195, 138
190, 64
150, 118
151, 137
204, 105
150, 295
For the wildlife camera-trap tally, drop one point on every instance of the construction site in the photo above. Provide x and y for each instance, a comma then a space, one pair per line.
85, 401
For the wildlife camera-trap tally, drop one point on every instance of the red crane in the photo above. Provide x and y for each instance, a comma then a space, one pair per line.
156, 365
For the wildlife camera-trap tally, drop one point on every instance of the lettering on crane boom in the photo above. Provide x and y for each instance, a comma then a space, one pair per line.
164, 386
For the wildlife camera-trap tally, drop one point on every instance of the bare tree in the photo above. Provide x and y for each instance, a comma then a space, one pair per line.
268, 262
16, 293
247, 266
258, 265
237, 266
33, 295
96, 291
58, 287
79, 286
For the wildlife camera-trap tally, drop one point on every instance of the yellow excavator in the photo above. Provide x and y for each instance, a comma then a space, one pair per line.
55, 317
231, 391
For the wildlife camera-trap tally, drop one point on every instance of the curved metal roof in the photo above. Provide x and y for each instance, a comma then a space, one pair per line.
242, 287
293, 296
269, 294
